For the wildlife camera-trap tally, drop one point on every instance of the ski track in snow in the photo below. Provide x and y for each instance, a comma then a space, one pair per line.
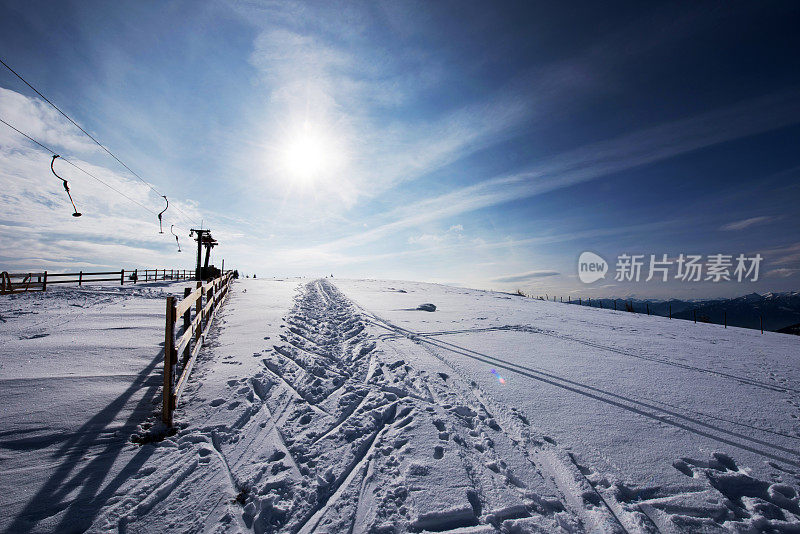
336, 431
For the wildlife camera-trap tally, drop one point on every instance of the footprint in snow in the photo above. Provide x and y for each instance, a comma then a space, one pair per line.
205, 455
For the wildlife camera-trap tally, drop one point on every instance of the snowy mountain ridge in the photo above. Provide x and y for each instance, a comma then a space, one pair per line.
778, 310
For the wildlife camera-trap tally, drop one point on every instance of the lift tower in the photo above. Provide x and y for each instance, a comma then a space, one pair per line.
204, 239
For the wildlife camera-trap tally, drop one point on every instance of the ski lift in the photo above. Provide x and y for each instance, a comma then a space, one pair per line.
66, 186
176, 236
161, 228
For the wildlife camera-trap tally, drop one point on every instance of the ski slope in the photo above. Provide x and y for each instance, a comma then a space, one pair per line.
337, 406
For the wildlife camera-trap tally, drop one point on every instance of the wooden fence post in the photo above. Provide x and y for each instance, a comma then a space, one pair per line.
169, 363
135, 275
80, 278
44, 283
122, 277
725, 318
199, 313
187, 324
694, 314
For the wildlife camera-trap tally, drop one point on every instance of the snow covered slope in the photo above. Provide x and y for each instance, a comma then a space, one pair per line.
336, 406
80, 368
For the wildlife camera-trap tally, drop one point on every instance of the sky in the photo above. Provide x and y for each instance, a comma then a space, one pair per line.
483, 144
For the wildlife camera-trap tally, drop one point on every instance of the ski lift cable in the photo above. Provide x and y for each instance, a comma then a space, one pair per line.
98, 143
52, 152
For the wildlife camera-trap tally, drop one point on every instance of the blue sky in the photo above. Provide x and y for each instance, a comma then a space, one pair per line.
483, 144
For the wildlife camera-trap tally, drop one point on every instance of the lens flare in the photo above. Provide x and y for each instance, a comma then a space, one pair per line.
497, 375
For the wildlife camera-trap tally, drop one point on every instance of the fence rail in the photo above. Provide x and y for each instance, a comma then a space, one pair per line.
192, 337
38, 281
20, 282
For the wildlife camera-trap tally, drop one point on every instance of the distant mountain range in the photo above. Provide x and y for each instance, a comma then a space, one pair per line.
779, 311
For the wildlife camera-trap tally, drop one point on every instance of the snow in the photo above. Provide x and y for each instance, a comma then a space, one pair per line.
79, 368
337, 406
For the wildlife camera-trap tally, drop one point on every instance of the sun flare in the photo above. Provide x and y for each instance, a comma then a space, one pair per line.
309, 157
306, 157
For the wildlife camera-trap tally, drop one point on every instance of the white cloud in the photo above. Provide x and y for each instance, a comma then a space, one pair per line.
37, 119
38, 230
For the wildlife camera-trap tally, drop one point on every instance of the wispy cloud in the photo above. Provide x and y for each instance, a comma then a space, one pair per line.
595, 161
783, 272
453, 234
426, 128
39, 120
524, 277
745, 223
358, 89
784, 255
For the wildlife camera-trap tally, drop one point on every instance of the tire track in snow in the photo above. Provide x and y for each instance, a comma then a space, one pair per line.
629, 404
347, 476
643, 521
565, 474
657, 413
571, 484
533, 330
288, 385
622, 352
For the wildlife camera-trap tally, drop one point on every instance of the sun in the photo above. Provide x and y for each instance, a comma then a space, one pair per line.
308, 157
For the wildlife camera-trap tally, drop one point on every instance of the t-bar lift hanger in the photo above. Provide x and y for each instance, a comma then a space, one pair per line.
66, 186
176, 236
160, 228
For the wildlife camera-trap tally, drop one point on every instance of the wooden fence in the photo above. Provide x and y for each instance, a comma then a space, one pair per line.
38, 281
204, 301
